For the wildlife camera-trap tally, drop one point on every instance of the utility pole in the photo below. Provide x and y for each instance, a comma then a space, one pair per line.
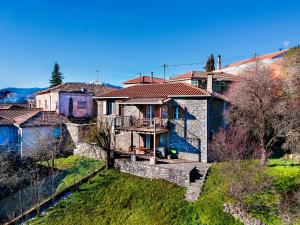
165, 67
97, 81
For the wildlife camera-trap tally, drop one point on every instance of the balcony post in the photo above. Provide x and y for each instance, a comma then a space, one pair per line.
153, 159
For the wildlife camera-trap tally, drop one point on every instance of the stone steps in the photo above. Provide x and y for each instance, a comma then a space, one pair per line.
198, 175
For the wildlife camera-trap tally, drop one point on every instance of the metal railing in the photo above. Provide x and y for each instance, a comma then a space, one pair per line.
128, 121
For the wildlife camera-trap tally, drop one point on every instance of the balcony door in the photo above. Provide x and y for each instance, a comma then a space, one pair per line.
149, 111
148, 141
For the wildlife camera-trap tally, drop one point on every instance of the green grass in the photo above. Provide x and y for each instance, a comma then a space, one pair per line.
75, 168
118, 198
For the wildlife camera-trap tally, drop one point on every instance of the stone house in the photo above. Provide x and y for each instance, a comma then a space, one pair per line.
71, 99
24, 129
175, 115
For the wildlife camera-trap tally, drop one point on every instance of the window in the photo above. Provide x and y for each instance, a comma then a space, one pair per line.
81, 105
56, 132
176, 112
110, 107
195, 83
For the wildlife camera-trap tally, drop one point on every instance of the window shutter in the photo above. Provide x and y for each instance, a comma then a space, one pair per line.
117, 109
104, 107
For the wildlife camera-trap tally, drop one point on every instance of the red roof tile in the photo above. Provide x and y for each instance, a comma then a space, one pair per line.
203, 75
156, 91
258, 58
34, 117
144, 80
76, 86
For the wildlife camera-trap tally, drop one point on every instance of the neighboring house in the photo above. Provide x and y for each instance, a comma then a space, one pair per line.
174, 115
220, 80
14, 106
274, 60
24, 129
71, 99
8, 133
143, 80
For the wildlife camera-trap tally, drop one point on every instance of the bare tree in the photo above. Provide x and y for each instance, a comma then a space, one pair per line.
232, 143
290, 125
255, 100
100, 134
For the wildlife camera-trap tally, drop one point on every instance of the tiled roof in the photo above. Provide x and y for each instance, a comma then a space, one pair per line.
34, 117
258, 58
45, 119
4, 122
74, 86
14, 106
156, 91
144, 80
17, 115
202, 75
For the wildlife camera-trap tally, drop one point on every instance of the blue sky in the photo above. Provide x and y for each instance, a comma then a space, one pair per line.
123, 38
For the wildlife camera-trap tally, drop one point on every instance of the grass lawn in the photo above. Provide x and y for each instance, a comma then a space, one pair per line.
74, 169
117, 198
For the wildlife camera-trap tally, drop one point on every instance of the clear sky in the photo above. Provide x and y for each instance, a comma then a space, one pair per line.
123, 38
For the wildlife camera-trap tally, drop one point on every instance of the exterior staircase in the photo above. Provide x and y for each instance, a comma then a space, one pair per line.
197, 178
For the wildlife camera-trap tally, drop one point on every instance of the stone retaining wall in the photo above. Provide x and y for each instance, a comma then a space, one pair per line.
242, 216
90, 150
144, 169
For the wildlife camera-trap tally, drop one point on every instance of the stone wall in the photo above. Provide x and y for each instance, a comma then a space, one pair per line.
184, 132
90, 150
240, 215
144, 169
77, 131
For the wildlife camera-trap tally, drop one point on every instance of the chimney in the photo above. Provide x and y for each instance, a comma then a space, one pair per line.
151, 77
209, 84
219, 66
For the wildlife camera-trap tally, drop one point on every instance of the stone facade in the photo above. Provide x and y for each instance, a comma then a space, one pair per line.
90, 150
144, 169
189, 134
77, 131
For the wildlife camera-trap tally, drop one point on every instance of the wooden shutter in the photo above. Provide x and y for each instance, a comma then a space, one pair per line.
104, 107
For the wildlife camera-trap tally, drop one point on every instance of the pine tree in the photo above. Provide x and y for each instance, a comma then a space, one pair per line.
210, 63
57, 77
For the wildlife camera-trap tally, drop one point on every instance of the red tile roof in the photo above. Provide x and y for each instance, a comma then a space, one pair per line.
156, 91
144, 80
258, 58
203, 75
34, 117
76, 86
4, 122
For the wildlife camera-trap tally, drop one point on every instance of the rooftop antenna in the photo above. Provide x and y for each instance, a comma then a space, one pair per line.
97, 81
255, 54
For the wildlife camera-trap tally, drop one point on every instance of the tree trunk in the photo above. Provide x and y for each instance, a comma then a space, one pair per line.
263, 159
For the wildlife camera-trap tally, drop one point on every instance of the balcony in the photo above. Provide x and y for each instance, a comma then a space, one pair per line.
155, 125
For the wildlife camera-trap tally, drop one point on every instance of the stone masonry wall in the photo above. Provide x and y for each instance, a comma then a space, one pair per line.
196, 126
141, 169
90, 150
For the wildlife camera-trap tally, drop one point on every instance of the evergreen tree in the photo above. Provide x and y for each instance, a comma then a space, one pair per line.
210, 63
57, 77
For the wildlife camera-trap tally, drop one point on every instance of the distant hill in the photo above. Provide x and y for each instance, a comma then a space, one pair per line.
17, 95
20, 95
